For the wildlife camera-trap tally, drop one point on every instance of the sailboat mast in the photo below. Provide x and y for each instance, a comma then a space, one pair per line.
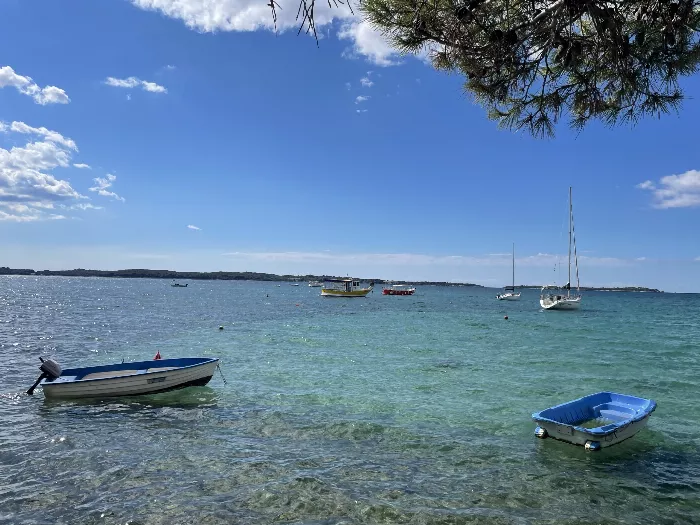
568, 288
513, 267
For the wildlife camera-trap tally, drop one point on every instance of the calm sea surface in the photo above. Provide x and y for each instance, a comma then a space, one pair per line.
411, 410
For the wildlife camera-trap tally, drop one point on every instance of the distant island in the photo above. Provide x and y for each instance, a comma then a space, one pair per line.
605, 288
205, 276
137, 273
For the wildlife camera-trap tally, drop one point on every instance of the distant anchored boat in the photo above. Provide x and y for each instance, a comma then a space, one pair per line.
178, 285
509, 291
316, 284
558, 300
399, 289
595, 421
123, 379
344, 288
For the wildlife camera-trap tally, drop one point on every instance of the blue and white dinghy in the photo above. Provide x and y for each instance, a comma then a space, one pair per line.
595, 421
123, 379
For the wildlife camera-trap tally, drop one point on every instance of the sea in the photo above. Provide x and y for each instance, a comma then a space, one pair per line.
383, 410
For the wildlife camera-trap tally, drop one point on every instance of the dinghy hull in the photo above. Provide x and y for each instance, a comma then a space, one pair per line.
130, 379
618, 417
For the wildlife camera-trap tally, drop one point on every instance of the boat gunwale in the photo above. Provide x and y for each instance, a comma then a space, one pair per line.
141, 371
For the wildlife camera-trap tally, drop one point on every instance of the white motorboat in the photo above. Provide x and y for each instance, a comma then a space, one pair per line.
124, 379
344, 288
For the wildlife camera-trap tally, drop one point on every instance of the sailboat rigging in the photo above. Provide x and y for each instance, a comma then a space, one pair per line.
551, 300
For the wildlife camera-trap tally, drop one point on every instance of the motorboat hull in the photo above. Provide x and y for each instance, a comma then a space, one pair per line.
508, 297
130, 379
390, 291
622, 417
342, 293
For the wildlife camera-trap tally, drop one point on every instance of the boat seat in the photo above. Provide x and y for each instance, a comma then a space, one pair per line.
110, 373
161, 369
614, 412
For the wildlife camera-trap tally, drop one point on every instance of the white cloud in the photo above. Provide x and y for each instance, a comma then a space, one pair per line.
361, 99
170, 68
366, 82
237, 15
153, 87
81, 166
369, 43
675, 191
86, 206
193, 227
348, 86
361, 110
646, 185
27, 188
26, 86
252, 15
641, 259
102, 184
51, 136
489, 260
35, 156
132, 82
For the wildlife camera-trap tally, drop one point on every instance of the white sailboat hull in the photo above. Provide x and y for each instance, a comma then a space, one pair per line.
508, 297
558, 302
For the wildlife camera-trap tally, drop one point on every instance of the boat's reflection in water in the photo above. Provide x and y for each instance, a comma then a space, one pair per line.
185, 398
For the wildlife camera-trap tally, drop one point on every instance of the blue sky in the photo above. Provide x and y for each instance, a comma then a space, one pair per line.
126, 123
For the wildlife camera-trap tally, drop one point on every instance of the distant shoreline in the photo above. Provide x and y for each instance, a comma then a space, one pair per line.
206, 276
258, 276
639, 289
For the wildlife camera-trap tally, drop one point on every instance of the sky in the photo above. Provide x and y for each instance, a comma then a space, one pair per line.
188, 135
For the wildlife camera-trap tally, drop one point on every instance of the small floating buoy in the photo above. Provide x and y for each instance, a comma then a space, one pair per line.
505, 317
221, 327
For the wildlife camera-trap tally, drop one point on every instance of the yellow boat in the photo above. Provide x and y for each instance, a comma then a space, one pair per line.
344, 288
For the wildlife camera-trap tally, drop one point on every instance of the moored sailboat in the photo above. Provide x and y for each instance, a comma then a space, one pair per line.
552, 298
509, 291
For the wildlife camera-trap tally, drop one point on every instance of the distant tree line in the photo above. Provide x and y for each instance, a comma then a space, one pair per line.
606, 288
209, 276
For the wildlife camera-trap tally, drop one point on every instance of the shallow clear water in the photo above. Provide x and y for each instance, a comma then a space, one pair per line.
378, 410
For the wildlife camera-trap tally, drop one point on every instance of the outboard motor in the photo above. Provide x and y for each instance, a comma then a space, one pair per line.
50, 370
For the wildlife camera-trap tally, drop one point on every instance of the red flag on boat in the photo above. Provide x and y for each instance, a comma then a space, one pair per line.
157, 355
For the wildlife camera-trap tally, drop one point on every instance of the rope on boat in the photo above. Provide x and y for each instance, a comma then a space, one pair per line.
218, 367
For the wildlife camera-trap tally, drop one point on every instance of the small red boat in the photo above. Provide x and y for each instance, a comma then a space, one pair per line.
399, 289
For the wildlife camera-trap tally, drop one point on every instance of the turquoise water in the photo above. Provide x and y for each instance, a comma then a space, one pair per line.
407, 410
